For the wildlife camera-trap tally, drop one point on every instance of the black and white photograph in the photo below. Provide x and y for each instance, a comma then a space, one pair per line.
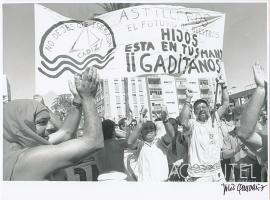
133, 100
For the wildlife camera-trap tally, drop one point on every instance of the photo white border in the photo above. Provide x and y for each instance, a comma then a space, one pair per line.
128, 191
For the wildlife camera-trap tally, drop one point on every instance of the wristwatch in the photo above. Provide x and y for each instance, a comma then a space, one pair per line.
76, 104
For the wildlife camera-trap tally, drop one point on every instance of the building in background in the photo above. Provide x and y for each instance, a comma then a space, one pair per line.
242, 97
203, 88
154, 93
110, 98
162, 93
6, 89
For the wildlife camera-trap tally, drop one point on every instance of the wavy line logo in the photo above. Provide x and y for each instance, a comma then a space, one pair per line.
73, 45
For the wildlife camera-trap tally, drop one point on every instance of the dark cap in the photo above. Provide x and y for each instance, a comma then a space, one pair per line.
149, 123
198, 102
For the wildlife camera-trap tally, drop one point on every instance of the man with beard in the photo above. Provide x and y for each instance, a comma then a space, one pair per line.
204, 138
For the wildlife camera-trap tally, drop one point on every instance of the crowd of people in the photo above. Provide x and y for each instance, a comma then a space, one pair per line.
203, 144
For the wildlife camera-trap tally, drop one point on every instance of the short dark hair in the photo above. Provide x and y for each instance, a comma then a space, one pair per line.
149, 122
108, 128
197, 102
121, 122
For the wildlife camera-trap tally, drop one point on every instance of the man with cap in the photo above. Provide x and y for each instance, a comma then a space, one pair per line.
204, 138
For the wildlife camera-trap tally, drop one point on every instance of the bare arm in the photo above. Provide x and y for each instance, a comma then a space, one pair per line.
225, 94
252, 109
230, 152
249, 153
120, 133
225, 101
254, 142
134, 135
69, 127
37, 163
186, 111
168, 127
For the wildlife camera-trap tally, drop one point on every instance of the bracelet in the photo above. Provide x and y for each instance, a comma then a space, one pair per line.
77, 105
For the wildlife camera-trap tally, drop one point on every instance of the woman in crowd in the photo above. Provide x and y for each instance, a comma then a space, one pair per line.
31, 152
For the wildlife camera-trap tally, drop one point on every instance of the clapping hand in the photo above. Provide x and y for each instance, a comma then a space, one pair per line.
87, 83
258, 75
221, 76
73, 90
189, 93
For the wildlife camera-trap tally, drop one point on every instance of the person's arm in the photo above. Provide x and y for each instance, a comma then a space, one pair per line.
252, 110
225, 95
186, 111
68, 128
168, 137
38, 162
249, 152
254, 142
229, 153
55, 120
134, 135
120, 133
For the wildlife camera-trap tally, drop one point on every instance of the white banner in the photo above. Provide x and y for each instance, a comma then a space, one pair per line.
135, 41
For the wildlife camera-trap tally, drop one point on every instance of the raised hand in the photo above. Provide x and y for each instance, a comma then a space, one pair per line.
142, 114
221, 76
164, 113
258, 75
87, 83
189, 93
72, 89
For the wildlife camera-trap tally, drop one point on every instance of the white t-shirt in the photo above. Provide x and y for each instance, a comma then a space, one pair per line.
205, 143
152, 161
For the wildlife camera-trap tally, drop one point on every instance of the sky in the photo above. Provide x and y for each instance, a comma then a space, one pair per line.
245, 40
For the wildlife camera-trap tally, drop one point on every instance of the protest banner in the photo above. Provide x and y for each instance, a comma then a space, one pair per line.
6, 89
135, 41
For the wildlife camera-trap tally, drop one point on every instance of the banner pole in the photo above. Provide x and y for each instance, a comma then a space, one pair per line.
215, 102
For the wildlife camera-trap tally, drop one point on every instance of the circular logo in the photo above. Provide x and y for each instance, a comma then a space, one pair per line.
73, 45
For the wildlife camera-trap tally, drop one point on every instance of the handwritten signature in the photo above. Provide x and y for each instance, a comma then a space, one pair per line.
242, 187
